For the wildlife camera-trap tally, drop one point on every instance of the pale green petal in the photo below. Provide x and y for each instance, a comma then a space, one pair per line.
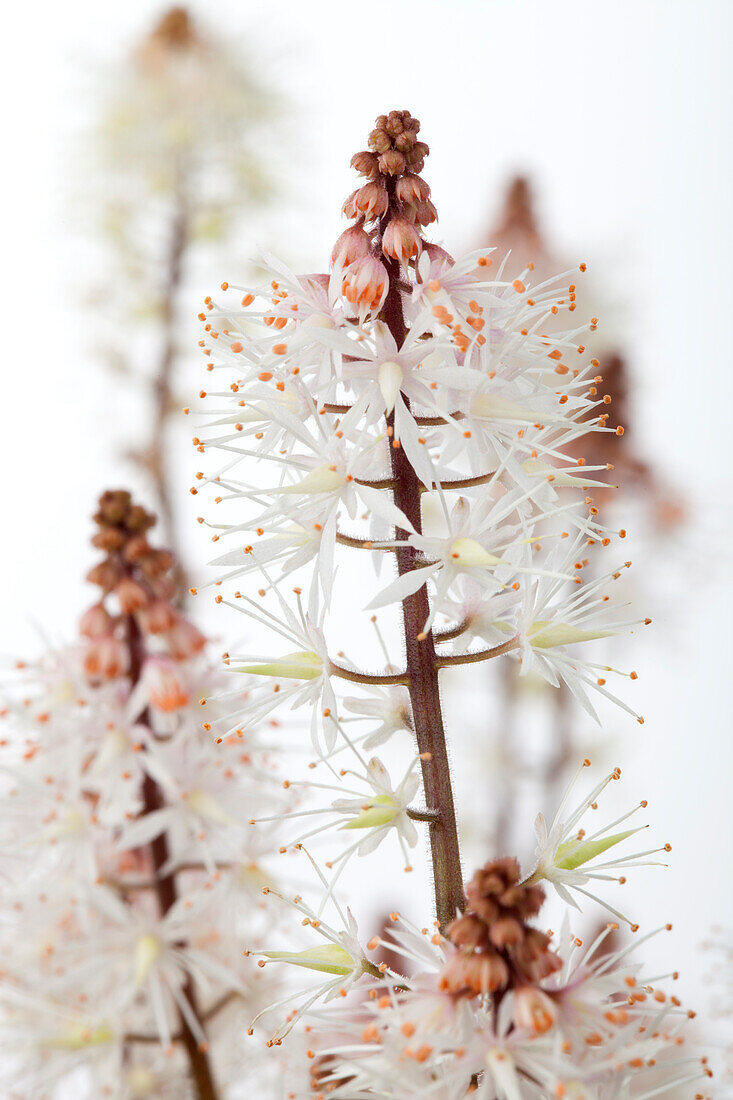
381, 811
147, 952
78, 1036
329, 959
573, 854
320, 480
545, 635
302, 665
471, 554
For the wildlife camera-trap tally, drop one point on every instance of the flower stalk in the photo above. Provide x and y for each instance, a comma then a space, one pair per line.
423, 665
382, 393
152, 795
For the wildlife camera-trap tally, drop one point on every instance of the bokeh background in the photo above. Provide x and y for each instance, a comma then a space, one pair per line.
619, 115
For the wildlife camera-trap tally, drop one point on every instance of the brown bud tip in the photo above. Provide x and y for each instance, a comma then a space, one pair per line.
495, 945
393, 145
174, 29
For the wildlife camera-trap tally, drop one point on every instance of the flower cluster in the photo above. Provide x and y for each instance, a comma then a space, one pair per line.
595, 1029
496, 947
410, 408
125, 847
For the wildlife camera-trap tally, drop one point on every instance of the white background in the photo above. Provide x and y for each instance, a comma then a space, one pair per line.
620, 111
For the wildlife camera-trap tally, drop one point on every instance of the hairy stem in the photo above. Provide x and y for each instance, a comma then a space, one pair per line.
422, 668
165, 889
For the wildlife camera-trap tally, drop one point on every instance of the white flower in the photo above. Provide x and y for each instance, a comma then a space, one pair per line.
390, 706
306, 672
340, 957
568, 858
377, 809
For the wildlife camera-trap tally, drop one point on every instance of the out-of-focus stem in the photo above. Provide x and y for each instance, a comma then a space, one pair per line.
165, 887
157, 450
422, 668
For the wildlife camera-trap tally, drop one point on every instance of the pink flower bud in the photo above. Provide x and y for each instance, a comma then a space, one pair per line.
392, 162
533, 1010
316, 280
366, 164
351, 245
96, 621
184, 640
165, 685
349, 207
425, 212
379, 141
401, 241
474, 974
412, 189
438, 255
405, 141
366, 283
158, 617
132, 596
106, 658
371, 199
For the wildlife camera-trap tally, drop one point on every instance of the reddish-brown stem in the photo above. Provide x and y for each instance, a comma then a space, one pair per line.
422, 668
356, 677
165, 887
481, 655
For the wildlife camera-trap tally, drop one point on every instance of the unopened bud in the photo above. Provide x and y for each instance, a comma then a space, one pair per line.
379, 141
136, 547
366, 164
158, 617
105, 574
166, 689
438, 255
392, 163
131, 595
371, 199
106, 658
412, 188
157, 562
404, 141
185, 640
533, 1010
109, 538
394, 124
351, 245
96, 622
424, 213
365, 284
401, 241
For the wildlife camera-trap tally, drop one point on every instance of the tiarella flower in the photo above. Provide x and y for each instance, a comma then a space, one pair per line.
553, 614
481, 543
389, 706
365, 285
429, 412
43, 1040
340, 957
306, 672
376, 810
592, 1030
125, 851
203, 816
569, 858
166, 688
157, 957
